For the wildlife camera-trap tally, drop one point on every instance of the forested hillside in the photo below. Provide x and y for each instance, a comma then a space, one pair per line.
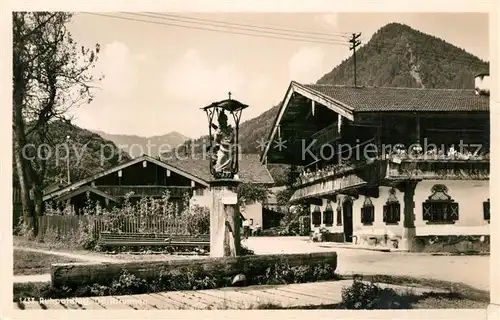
89, 153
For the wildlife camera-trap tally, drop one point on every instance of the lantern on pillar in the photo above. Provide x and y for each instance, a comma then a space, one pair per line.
223, 128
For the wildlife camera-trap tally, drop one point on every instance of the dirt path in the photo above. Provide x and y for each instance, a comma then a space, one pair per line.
32, 278
83, 257
46, 277
470, 270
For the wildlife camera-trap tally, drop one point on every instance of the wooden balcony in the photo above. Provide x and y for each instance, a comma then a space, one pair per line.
144, 191
387, 172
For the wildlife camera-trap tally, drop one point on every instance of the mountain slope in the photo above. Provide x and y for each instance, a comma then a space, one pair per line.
137, 146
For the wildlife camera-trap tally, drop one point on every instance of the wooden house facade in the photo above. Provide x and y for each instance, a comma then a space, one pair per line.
150, 177
391, 167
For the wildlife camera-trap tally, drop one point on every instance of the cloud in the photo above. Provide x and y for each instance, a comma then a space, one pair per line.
330, 20
120, 69
192, 80
307, 65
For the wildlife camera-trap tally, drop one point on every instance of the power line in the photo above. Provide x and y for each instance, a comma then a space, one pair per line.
340, 34
216, 24
261, 35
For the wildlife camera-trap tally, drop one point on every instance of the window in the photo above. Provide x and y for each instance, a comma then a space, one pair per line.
392, 208
486, 210
440, 207
328, 215
199, 192
316, 216
339, 214
367, 212
251, 221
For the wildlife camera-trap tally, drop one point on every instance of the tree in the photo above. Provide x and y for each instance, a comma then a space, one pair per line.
50, 75
252, 192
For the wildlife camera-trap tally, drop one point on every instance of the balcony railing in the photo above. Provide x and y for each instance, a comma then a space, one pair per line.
144, 191
313, 176
324, 136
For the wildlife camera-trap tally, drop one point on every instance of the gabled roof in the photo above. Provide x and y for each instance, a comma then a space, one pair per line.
250, 168
82, 182
297, 88
382, 99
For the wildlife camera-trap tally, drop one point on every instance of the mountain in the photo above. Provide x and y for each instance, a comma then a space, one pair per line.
399, 56
89, 153
137, 146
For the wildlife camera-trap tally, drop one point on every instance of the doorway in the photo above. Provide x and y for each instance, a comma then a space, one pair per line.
347, 218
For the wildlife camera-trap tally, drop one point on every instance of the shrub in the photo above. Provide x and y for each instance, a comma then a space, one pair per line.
305, 225
369, 296
199, 220
320, 235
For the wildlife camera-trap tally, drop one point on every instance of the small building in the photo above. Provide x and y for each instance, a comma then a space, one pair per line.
396, 167
149, 177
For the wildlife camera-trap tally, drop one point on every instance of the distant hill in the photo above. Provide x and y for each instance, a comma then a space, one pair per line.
137, 146
89, 153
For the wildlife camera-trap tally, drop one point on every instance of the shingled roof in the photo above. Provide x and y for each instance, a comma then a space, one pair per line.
250, 168
380, 99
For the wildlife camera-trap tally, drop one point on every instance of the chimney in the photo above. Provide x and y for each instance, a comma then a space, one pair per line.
482, 84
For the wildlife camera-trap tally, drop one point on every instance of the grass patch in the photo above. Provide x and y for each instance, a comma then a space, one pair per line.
456, 288
19, 241
426, 301
30, 263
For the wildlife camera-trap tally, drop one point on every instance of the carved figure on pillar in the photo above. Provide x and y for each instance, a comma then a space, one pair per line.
223, 145
223, 149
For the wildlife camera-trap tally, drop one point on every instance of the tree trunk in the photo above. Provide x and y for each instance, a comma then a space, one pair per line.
20, 141
27, 208
80, 274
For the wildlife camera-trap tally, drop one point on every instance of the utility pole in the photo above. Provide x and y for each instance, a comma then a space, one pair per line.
354, 44
68, 140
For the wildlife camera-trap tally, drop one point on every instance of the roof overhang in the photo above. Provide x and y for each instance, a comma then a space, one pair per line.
85, 181
313, 95
83, 189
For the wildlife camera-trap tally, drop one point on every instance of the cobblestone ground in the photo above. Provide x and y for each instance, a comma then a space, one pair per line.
470, 270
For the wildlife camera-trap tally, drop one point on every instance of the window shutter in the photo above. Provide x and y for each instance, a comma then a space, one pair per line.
386, 212
426, 208
339, 216
397, 212
454, 211
486, 210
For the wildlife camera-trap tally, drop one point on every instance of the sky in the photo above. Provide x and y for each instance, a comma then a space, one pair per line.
160, 70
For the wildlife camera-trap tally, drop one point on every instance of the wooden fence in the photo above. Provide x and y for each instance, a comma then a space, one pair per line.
65, 225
